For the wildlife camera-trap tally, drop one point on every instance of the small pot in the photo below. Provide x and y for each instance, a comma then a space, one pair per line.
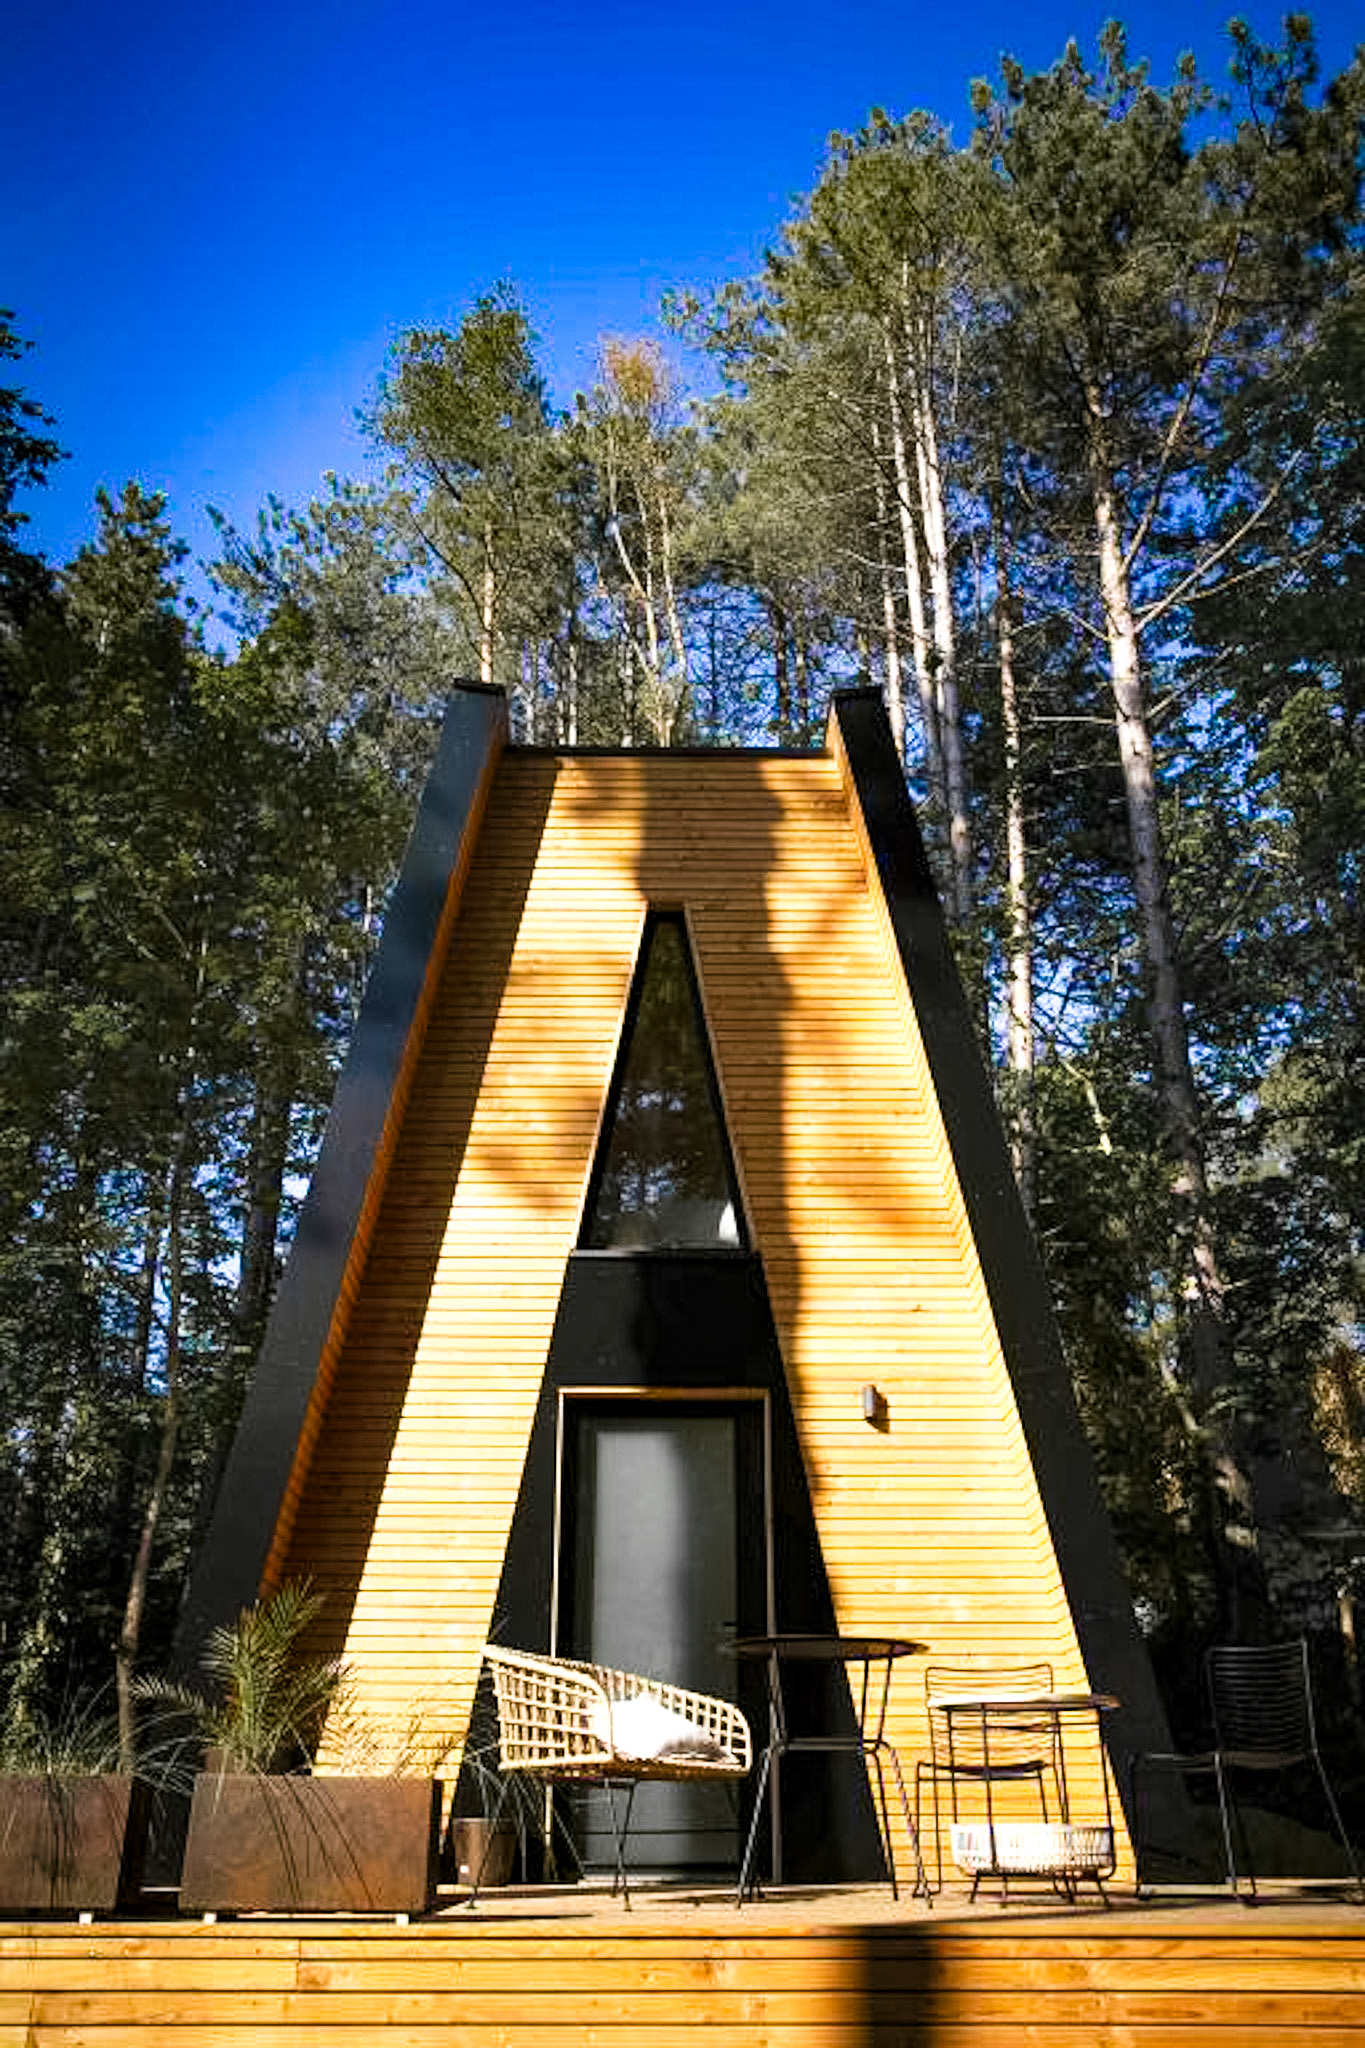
484, 1855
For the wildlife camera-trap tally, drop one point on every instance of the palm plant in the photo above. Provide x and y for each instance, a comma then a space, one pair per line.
266, 1705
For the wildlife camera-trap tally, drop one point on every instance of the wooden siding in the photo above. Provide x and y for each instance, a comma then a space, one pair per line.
374, 1190
1187, 1981
931, 1526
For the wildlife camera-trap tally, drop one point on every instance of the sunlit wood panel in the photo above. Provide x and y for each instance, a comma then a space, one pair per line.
931, 1526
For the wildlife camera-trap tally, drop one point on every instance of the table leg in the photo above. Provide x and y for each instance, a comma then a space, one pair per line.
746, 1883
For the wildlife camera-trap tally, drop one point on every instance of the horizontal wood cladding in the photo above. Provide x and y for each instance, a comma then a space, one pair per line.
931, 1527
1190, 1981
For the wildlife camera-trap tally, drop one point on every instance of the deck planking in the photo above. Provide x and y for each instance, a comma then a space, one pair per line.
850, 1970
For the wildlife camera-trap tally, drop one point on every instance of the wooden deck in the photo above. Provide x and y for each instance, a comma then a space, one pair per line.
828, 1970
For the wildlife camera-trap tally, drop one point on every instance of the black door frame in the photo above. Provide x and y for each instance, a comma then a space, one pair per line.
743, 1404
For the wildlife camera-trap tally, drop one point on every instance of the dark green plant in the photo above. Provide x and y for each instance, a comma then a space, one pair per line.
78, 1741
266, 1704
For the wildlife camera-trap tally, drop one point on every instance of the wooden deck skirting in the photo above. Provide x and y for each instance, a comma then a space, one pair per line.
770, 1977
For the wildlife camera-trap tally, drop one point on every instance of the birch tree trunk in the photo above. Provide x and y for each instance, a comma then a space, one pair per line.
677, 704
1018, 917
488, 608
914, 581
567, 708
1201, 1284
895, 688
145, 1321
135, 1604
934, 525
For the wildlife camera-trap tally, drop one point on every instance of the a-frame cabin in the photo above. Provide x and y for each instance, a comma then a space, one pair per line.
663, 1137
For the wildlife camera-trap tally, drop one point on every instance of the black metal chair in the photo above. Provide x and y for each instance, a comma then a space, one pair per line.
1261, 1698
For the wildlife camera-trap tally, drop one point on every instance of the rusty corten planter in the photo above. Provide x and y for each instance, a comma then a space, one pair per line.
311, 1845
71, 1844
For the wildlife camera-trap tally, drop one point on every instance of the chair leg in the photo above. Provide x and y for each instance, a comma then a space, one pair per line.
884, 1823
1340, 1825
921, 1769
919, 1809
620, 1830
1225, 1802
921, 1881
553, 1820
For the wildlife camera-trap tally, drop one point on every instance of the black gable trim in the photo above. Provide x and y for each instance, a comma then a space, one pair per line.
1111, 1644
228, 1567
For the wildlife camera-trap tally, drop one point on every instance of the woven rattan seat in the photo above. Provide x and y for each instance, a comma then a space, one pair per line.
560, 1721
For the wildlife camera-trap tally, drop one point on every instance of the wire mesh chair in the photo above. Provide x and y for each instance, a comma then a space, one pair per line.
562, 1721
1020, 1744
1261, 1697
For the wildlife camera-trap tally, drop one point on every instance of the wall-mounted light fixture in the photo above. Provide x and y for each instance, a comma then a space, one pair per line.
874, 1406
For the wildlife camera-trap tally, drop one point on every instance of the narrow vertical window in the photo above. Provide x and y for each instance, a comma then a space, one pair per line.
663, 1177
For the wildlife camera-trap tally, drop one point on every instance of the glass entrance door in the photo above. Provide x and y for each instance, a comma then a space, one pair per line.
662, 1563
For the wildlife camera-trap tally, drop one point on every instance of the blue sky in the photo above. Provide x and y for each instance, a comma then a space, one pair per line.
216, 220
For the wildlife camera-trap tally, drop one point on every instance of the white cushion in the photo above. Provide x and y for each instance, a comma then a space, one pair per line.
645, 1729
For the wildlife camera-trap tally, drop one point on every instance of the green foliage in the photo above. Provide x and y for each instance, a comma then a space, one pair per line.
80, 1740
26, 455
1122, 301
181, 964
267, 1701
465, 414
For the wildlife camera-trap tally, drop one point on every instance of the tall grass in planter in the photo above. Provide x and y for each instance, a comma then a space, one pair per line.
265, 1834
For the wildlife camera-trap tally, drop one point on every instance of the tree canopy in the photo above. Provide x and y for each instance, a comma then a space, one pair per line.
1052, 435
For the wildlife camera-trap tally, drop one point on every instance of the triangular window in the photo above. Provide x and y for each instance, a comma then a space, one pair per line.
663, 1176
